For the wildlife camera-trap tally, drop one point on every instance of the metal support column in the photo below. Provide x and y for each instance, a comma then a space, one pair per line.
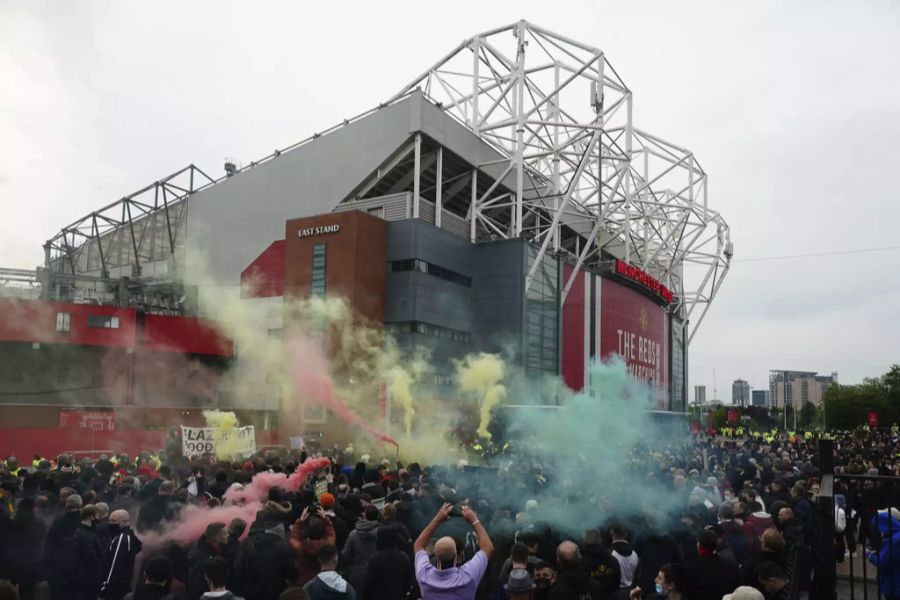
473, 209
439, 188
417, 175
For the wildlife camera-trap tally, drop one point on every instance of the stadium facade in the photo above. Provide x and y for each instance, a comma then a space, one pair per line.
503, 201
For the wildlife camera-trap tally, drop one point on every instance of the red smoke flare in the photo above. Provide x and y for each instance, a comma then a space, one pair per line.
319, 389
244, 504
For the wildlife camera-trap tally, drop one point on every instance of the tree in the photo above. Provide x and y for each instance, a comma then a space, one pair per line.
847, 406
807, 415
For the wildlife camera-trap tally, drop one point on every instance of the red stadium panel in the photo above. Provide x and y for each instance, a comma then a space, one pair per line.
264, 277
184, 335
62, 323
574, 331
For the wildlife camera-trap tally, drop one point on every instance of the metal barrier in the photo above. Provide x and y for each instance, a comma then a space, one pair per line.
871, 531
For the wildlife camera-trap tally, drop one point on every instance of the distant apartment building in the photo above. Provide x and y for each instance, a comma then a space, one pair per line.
740, 393
699, 394
799, 388
760, 397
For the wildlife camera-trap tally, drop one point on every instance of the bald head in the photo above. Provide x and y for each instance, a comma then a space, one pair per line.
120, 518
568, 555
445, 551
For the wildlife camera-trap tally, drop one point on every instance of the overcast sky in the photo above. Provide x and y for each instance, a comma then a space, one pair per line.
793, 108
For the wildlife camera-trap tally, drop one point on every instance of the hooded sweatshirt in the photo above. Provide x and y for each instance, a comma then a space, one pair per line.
754, 527
628, 562
328, 585
574, 583
887, 559
360, 546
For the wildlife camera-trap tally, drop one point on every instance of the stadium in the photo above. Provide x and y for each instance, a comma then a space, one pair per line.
501, 201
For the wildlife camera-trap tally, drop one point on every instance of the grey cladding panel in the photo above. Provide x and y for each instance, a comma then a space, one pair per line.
231, 223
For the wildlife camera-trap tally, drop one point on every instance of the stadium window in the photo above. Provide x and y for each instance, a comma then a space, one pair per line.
103, 321
422, 266
317, 286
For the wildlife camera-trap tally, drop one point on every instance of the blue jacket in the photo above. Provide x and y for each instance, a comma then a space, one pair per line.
887, 559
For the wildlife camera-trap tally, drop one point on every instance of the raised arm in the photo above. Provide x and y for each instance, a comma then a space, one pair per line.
429, 530
484, 540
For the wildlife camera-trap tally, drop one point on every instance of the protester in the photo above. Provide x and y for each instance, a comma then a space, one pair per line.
308, 535
61, 550
709, 577
519, 585
266, 564
25, 534
157, 577
625, 555
447, 580
328, 584
600, 563
210, 545
388, 573
573, 581
887, 556
360, 546
158, 509
88, 558
216, 575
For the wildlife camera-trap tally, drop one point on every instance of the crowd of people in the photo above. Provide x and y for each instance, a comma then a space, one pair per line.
744, 511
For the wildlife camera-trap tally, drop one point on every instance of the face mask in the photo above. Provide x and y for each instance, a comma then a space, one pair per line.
542, 584
659, 589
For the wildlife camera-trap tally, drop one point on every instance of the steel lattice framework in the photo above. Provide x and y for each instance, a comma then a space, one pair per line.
562, 119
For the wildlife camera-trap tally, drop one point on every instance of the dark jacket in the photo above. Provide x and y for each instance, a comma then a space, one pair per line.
198, 557
228, 595
89, 561
265, 564
749, 566
156, 510
736, 540
27, 537
388, 576
60, 552
792, 531
601, 566
150, 592
118, 566
655, 551
329, 586
359, 548
710, 577
575, 584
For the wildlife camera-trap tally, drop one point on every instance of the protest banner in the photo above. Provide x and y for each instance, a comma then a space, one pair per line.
196, 441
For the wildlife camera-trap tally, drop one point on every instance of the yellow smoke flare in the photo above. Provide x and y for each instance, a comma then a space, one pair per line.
400, 382
481, 374
225, 421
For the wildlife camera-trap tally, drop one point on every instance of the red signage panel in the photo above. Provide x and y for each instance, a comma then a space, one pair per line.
98, 420
872, 418
634, 327
732, 416
632, 273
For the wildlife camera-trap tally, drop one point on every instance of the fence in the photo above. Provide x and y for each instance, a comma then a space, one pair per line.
866, 548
